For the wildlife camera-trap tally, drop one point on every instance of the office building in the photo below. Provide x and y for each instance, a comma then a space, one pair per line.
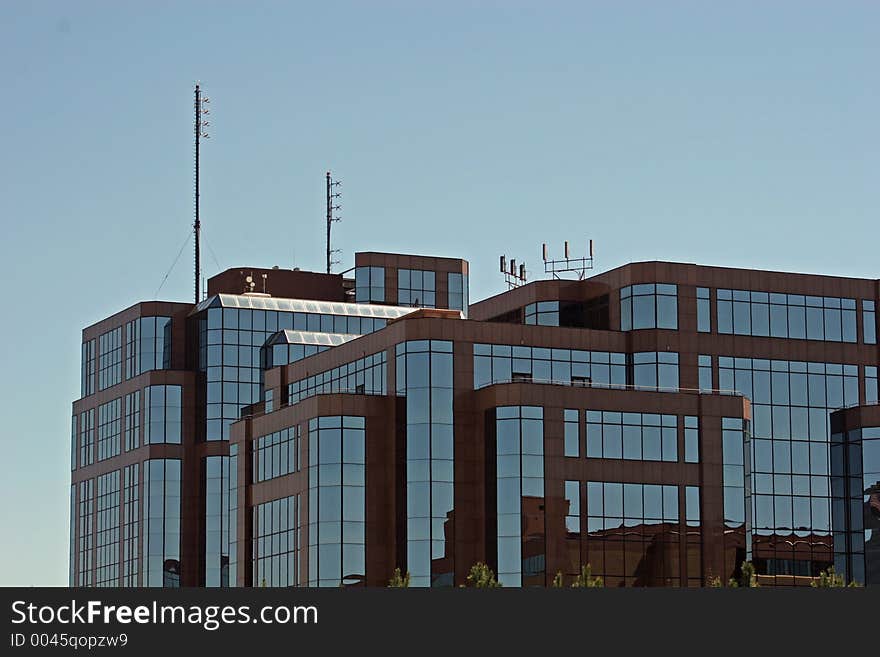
661, 422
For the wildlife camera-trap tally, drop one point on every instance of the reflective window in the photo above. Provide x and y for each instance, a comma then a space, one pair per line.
337, 501
269, 399
458, 292
71, 557
107, 534
147, 345
692, 505
86, 546
572, 433
74, 433
230, 340
519, 440
649, 306
634, 533
365, 376
131, 523
234, 350
109, 429
771, 314
110, 358
655, 369
733, 450
871, 384
705, 373
632, 436
162, 414
869, 321
691, 439
87, 386
369, 284
232, 518
87, 437
507, 363
217, 493
424, 377
133, 420
276, 454
704, 316
855, 467
791, 402
693, 537
276, 542
161, 557
572, 508
416, 287
284, 354
542, 313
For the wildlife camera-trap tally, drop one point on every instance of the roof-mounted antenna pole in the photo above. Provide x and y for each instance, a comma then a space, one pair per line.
332, 207
200, 130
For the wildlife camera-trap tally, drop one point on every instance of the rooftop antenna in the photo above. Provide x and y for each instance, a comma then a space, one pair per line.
579, 266
200, 130
332, 207
513, 276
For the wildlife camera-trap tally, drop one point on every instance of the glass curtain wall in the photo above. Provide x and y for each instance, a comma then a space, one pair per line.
337, 500
519, 501
424, 377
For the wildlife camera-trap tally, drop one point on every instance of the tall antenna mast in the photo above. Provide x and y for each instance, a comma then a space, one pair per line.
200, 125
332, 195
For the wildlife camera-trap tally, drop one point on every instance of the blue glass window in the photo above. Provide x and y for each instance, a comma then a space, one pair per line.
162, 414
869, 321
337, 501
704, 318
632, 436
458, 292
572, 433
369, 284
542, 313
648, 306
277, 533
162, 506
425, 379
744, 312
416, 287
506, 363
519, 437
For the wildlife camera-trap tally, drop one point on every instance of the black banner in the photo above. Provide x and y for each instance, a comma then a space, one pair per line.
345, 621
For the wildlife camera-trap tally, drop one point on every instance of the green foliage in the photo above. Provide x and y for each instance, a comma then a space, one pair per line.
830, 579
482, 577
586, 579
399, 581
747, 579
557, 580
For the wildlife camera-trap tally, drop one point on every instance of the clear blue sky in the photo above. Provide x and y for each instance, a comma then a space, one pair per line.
740, 134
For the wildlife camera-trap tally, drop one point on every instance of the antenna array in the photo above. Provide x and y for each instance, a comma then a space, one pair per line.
579, 266
332, 207
513, 276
